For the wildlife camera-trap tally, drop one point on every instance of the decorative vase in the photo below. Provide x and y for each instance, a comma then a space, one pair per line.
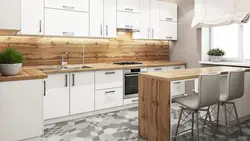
215, 58
10, 69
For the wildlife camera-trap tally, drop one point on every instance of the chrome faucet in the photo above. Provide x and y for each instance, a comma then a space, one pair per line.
64, 60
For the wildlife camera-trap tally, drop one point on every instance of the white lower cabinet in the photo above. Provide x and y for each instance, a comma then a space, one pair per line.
56, 98
82, 92
130, 101
108, 98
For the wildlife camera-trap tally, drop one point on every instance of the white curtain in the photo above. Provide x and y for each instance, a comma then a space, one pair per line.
209, 13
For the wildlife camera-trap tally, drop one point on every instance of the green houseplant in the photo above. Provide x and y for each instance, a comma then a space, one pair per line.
216, 54
10, 62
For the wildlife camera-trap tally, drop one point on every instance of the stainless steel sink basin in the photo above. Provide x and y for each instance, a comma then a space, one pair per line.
76, 67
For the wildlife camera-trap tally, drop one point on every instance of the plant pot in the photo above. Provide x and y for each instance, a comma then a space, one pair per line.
215, 58
10, 69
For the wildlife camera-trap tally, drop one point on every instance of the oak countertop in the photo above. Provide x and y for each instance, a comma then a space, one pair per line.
190, 73
106, 66
24, 74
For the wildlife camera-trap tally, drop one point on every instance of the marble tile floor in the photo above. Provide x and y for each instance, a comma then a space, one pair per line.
123, 126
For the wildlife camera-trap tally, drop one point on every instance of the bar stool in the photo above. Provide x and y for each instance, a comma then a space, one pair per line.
208, 94
234, 90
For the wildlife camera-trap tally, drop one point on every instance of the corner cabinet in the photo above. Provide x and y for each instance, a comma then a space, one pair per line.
103, 18
66, 23
56, 97
82, 92
32, 17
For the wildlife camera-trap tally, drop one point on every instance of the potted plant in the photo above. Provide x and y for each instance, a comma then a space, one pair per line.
216, 54
10, 62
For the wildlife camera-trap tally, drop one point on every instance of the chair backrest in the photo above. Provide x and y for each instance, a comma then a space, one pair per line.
209, 89
235, 84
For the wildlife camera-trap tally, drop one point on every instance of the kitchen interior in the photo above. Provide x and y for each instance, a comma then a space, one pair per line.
124, 70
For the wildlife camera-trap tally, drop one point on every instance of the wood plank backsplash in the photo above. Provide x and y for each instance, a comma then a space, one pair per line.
47, 50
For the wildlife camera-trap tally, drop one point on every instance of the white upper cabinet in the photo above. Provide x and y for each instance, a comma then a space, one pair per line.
82, 92
75, 5
155, 19
66, 23
10, 15
145, 20
168, 11
128, 5
103, 18
32, 17
96, 18
127, 20
168, 30
109, 18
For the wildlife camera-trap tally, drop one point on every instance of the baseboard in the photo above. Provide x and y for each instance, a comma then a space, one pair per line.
88, 114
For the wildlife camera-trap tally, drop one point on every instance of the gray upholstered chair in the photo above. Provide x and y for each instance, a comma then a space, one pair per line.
234, 90
208, 94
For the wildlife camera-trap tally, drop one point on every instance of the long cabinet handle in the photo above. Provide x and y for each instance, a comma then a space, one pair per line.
177, 68
107, 30
169, 19
66, 80
129, 9
101, 29
110, 72
68, 7
158, 69
44, 88
148, 32
73, 79
177, 82
68, 33
153, 33
40, 26
108, 92
168, 37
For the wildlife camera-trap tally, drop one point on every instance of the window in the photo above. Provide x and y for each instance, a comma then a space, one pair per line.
234, 40
226, 38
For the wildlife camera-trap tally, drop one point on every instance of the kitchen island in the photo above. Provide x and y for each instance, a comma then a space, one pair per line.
155, 99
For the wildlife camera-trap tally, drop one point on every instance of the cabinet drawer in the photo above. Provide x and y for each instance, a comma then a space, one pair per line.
156, 69
75, 5
108, 79
181, 67
177, 88
128, 20
130, 101
108, 98
128, 5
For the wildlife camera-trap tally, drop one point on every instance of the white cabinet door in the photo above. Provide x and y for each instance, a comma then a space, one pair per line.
155, 19
156, 69
168, 30
75, 5
128, 5
67, 23
110, 18
96, 18
108, 79
32, 17
82, 92
108, 98
127, 20
168, 11
56, 99
145, 20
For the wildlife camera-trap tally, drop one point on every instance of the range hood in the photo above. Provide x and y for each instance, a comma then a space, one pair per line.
210, 13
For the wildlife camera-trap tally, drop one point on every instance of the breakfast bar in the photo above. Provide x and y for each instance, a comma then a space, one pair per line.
155, 99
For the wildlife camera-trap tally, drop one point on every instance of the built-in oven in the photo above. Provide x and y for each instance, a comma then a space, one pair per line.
131, 82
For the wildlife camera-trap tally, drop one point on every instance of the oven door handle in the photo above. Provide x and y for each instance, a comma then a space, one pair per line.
130, 75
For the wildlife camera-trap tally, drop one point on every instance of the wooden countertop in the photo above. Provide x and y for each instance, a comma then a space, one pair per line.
190, 73
106, 66
24, 74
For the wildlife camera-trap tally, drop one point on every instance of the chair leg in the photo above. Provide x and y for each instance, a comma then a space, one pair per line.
197, 125
205, 121
211, 122
226, 123
178, 124
192, 124
237, 117
218, 114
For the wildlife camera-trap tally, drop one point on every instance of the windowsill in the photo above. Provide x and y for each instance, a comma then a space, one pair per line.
238, 64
